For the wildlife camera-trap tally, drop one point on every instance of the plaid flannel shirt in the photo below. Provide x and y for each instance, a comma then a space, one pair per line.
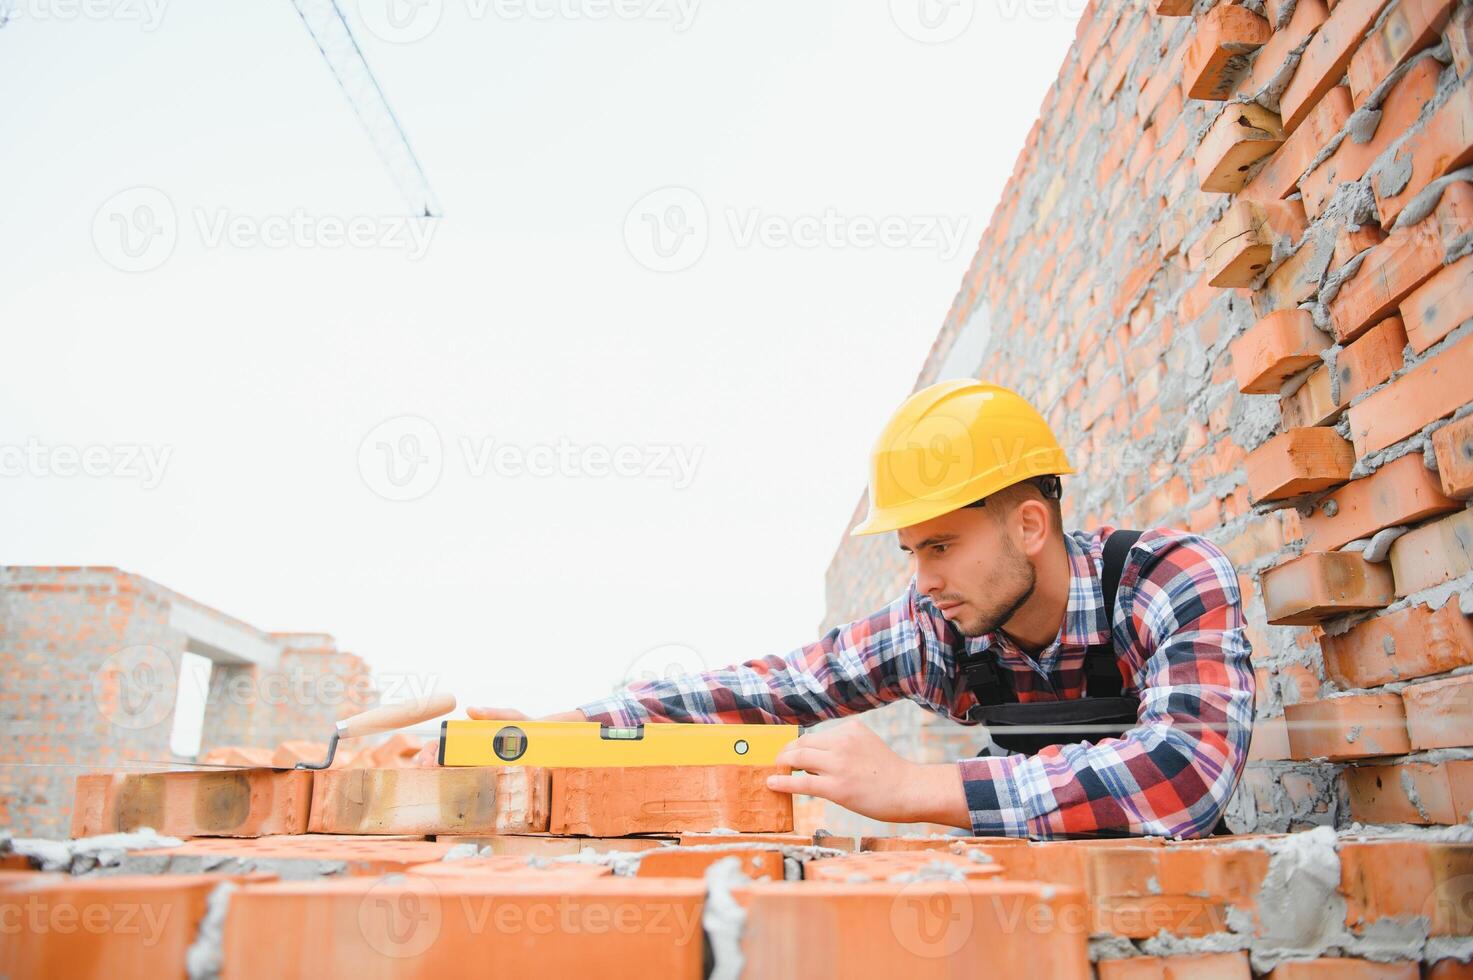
1179, 637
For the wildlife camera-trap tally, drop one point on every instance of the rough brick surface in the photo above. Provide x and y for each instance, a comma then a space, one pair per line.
451, 800
660, 799
228, 803
1412, 792
1453, 445
1321, 586
1353, 727
1414, 642
1433, 553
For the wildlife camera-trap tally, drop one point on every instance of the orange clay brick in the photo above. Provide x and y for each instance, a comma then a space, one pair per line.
1459, 36
1297, 278
1297, 462
438, 800
1453, 445
1350, 160
933, 843
122, 928
1433, 553
1357, 726
234, 755
1218, 50
1444, 143
1306, 19
1240, 246
893, 865
1412, 792
1320, 586
231, 803
1344, 969
1403, 491
1311, 404
1391, 879
1440, 713
689, 862
1326, 58
1278, 347
509, 926
1172, 8
1412, 642
916, 930
1439, 305
790, 840
1194, 966
1278, 178
614, 802
545, 845
1243, 134
1450, 969
1350, 243
1409, 27
1406, 259
1432, 390
358, 856
1188, 891
1376, 356
501, 865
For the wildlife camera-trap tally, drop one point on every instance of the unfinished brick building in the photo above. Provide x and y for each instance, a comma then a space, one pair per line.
1231, 269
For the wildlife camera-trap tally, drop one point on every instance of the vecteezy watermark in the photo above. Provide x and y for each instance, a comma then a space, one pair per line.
123, 461
666, 662
403, 458
1069, 10
932, 21
138, 229
40, 913
408, 21
147, 14
136, 687
668, 230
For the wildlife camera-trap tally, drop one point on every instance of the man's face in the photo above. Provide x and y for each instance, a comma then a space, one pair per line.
969, 565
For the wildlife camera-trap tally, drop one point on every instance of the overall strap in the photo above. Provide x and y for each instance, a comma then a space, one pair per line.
1101, 670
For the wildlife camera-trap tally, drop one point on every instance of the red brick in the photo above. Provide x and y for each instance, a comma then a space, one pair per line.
123, 927
1278, 347
231, 803
1409, 27
1450, 969
1351, 159
1439, 305
1297, 462
1297, 278
921, 929
1440, 713
439, 800
1193, 966
1307, 18
1433, 389
1218, 50
501, 865
1433, 553
1240, 245
892, 865
614, 802
1376, 356
1392, 879
1406, 259
1278, 178
687, 862
1326, 58
513, 926
1321, 586
1412, 792
1242, 135
1350, 243
1172, 8
1356, 726
1413, 642
1453, 445
1345, 969
544, 845
358, 855
1459, 36
1403, 491
1444, 143
1138, 892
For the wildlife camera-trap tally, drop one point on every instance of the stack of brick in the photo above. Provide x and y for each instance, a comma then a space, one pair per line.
755, 897
1231, 268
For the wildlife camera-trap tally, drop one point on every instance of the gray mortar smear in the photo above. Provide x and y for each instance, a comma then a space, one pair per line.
723, 918
1421, 206
206, 955
86, 853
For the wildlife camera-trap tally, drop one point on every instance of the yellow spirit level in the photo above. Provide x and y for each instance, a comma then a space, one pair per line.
589, 743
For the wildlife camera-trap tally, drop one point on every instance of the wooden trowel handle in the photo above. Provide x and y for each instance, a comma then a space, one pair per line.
386, 719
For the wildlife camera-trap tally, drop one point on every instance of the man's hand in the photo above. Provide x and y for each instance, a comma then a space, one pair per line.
853, 767
429, 755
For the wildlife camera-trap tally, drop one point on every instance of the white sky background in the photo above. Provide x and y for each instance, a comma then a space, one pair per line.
260, 370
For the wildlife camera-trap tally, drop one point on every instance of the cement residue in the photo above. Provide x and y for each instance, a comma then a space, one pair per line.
937, 870
86, 853
1300, 909
1420, 206
206, 955
1379, 550
1111, 947
723, 918
1448, 948
460, 852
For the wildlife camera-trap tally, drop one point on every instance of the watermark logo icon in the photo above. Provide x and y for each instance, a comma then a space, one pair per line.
136, 687
668, 229
400, 916
932, 919
402, 458
136, 230
932, 21
667, 662
401, 21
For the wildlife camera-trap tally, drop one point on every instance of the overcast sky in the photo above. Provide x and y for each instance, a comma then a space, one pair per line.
617, 400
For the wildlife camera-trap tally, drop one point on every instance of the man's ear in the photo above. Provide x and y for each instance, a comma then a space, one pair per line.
1032, 518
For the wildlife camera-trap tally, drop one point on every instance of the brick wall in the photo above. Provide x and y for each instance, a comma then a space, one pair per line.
1230, 268
89, 659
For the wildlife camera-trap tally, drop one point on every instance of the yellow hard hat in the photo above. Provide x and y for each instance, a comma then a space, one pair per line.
951, 444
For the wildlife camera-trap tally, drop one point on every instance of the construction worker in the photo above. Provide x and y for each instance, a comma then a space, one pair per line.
1110, 667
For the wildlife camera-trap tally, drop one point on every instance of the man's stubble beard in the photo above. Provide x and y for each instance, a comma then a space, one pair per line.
1023, 578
